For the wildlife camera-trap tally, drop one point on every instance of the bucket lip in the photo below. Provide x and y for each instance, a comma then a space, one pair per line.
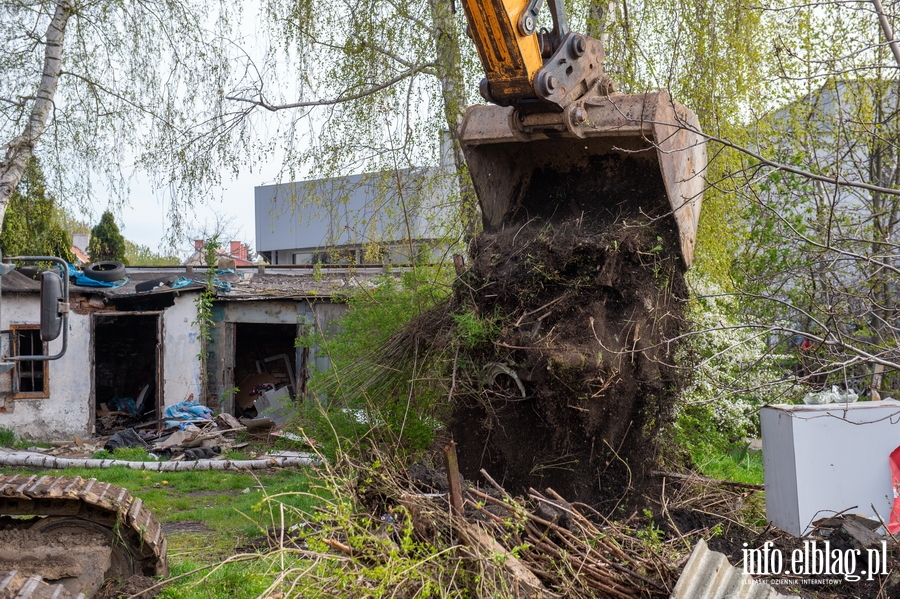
594, 116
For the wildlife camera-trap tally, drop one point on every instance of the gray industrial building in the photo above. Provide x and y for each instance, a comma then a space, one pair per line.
391, 217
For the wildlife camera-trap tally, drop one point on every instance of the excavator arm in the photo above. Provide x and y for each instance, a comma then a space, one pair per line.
533, 69
558, 118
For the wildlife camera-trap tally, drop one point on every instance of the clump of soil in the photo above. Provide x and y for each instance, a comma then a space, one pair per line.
136, 587
573, 388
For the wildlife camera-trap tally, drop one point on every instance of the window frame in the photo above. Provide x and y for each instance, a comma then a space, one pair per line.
15, 330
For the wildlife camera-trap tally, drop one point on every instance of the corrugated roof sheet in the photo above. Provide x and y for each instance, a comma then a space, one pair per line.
708, 575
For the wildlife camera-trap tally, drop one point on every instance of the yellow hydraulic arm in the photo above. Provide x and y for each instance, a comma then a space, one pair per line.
533, 70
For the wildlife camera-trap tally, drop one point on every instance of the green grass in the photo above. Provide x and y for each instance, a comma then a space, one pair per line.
739, 464
228, 581
8, 439
234, 506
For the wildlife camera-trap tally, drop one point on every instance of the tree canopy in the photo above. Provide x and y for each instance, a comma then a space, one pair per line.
102, 89
33, 225
106, 241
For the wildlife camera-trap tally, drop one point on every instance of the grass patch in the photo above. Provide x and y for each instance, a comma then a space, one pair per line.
8, 438
738, 464
251, 576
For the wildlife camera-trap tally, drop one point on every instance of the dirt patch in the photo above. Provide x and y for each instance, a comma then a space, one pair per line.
573, 389
135, 587
185, 526
77, 559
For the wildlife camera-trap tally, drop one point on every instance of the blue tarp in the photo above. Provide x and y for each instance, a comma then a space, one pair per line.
217, 282
80, 279
186, 410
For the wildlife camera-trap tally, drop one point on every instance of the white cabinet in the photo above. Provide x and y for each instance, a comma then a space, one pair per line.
824, 459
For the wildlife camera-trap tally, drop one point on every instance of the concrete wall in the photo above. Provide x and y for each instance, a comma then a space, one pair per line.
67, 411
69, 408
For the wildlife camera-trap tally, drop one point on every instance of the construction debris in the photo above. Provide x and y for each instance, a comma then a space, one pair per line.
708, 575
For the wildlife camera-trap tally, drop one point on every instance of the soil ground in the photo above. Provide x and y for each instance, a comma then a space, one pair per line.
77, 559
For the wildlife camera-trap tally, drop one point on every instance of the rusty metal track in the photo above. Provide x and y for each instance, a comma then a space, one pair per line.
131, 526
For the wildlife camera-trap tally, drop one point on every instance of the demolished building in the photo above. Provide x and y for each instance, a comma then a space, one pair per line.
141, 341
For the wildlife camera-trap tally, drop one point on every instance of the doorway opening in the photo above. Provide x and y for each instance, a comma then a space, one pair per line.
266, 349
126, 366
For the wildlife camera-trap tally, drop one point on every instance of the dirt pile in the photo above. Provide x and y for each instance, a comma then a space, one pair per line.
577, 375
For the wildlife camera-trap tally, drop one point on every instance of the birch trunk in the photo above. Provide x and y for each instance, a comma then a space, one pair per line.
33, 460
18, 151
453, 94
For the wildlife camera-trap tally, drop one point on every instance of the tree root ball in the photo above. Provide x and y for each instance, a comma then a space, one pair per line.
576, 377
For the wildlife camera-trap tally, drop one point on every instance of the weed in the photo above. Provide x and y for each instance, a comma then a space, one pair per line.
7, 437
133, 454
473, 330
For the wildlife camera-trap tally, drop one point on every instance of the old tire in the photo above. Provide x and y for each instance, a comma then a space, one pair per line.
105, 271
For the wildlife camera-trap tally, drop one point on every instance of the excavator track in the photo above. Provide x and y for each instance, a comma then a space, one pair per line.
136, 538
16, 586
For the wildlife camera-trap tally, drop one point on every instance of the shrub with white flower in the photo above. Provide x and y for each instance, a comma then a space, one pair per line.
732, 370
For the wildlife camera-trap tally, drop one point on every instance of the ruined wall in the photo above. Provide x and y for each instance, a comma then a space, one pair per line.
68, 409
228, 315
181, 348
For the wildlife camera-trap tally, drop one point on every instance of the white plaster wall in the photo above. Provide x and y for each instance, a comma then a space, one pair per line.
181, 346
67, 411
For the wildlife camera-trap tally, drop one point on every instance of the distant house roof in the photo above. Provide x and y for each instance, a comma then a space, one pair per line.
237, 251
81, 258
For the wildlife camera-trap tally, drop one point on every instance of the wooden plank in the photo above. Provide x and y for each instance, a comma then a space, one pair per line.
453, 478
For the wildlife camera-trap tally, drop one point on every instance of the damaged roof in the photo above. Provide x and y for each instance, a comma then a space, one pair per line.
245, 284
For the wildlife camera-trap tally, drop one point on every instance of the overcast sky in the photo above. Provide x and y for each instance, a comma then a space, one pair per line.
145, 221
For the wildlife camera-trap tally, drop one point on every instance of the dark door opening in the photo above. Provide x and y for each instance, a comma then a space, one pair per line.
265, 351
126, 364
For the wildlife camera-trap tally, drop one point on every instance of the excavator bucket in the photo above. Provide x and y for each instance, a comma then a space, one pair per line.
607, 156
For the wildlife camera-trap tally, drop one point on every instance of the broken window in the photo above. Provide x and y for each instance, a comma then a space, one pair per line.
30, 377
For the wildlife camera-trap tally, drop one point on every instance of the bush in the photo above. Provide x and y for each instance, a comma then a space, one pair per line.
733, 373
365, 397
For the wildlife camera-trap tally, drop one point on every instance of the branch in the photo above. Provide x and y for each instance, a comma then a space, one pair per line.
886, 29
20, 103
836, 180
338, 100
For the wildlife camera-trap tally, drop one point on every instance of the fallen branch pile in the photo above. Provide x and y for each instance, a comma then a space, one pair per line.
572, 548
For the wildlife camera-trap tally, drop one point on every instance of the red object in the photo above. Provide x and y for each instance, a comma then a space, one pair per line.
894, 522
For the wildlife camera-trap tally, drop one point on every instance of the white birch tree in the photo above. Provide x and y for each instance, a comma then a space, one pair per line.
102, 89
